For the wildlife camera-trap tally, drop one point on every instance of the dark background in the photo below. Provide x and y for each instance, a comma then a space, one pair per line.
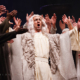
60, 7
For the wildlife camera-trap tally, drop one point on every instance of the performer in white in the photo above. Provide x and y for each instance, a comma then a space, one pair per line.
33, 49
75, 40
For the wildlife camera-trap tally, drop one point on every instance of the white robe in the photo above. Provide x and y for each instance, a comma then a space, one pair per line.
75, 45
42, 68
20, 69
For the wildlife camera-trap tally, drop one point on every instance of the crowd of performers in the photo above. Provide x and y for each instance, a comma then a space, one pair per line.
37, 52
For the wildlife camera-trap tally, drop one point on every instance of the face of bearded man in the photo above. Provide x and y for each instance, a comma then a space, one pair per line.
37, 23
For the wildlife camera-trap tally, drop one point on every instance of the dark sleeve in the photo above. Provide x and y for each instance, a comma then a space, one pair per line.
4, 25
7, 36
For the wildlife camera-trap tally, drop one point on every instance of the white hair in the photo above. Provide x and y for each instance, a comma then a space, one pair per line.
31, 25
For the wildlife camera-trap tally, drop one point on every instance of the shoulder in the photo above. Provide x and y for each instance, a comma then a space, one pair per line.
26, 35
53, 35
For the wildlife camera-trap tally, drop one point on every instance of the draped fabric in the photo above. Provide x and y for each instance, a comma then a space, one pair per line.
75, 39
75, 45
4, 54
42, 68
23, 64
66, 65
78, 65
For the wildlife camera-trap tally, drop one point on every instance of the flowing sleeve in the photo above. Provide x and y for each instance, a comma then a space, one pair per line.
54, 51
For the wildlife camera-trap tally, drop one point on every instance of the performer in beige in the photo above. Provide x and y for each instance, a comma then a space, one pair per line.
75, 40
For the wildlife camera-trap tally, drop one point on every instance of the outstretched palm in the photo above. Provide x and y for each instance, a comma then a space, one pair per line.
53, 19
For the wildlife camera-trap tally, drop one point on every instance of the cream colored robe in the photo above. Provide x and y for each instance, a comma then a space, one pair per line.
75, 45
23, 58
42, 68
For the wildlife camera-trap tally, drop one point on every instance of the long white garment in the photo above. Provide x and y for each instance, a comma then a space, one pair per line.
75, 45
78, 65
42, 68
66, 65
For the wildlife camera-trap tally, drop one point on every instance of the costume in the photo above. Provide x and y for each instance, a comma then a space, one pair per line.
4, 58
29, 58
25, 62
75, 45
7, 36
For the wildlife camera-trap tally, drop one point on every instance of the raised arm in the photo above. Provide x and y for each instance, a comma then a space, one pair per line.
5, 24
7, 36
62, 25
53, 23
2, 9
27, 19
67, 21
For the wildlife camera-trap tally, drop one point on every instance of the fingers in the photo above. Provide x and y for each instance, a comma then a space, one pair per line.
42, 16
73, 18
14, 26
60, 22
64, 18
2, 7
68, 17
32, 13
10, 22
54, 16
79, 20
27, 15
47, 15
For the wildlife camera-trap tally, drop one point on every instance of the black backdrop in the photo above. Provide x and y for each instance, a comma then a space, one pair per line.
26, 6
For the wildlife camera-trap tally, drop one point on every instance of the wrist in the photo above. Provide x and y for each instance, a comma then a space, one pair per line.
54, 25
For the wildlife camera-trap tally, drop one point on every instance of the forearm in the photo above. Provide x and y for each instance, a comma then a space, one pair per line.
7, 36
71, 32
70, 26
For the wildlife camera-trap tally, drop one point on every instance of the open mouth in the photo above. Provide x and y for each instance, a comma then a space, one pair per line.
38, 25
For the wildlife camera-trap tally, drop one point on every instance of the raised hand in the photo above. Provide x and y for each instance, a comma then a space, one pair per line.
62, 25
11, 14
53, 19
43, 17
73, 19
29, 16
74, 24
10, 41
48, 21
65, 19
2, 9
78, 24
17, 21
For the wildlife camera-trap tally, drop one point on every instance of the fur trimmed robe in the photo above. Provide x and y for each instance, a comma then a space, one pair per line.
23, 57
